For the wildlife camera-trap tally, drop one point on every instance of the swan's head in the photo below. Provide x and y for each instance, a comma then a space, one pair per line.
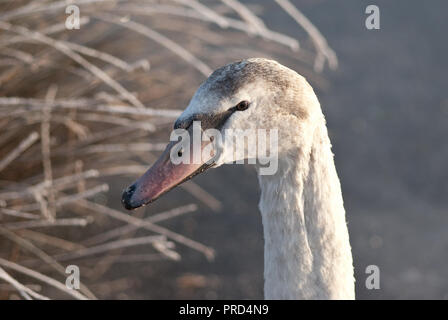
254, 109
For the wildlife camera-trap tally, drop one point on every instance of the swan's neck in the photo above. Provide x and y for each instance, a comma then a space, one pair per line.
307, 249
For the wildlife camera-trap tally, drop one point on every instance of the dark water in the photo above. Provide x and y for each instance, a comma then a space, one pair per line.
387, 113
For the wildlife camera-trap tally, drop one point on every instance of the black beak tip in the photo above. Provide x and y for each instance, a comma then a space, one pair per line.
126, 198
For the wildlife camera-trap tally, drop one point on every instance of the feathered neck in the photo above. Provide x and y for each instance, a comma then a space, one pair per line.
307, 251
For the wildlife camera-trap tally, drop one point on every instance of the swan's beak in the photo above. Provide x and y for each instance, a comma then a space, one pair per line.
163, 176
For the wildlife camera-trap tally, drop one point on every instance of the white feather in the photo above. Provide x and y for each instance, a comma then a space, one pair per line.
307, 249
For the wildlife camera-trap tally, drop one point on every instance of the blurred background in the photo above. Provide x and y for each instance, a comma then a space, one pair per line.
84, 112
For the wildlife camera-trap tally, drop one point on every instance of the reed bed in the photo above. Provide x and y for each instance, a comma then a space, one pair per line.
81, 109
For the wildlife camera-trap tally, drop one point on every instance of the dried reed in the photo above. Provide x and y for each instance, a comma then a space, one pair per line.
80, 107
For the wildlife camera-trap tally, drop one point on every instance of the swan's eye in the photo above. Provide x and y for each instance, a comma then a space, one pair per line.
243, 105
179, 153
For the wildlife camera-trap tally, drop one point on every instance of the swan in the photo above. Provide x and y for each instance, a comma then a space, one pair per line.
307, 253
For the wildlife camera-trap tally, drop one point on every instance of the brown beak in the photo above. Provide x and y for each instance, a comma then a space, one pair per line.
163, 176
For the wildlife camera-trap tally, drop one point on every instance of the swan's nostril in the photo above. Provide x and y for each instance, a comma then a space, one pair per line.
126, 197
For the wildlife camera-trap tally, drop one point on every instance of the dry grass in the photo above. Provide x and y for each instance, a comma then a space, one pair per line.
79, 107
